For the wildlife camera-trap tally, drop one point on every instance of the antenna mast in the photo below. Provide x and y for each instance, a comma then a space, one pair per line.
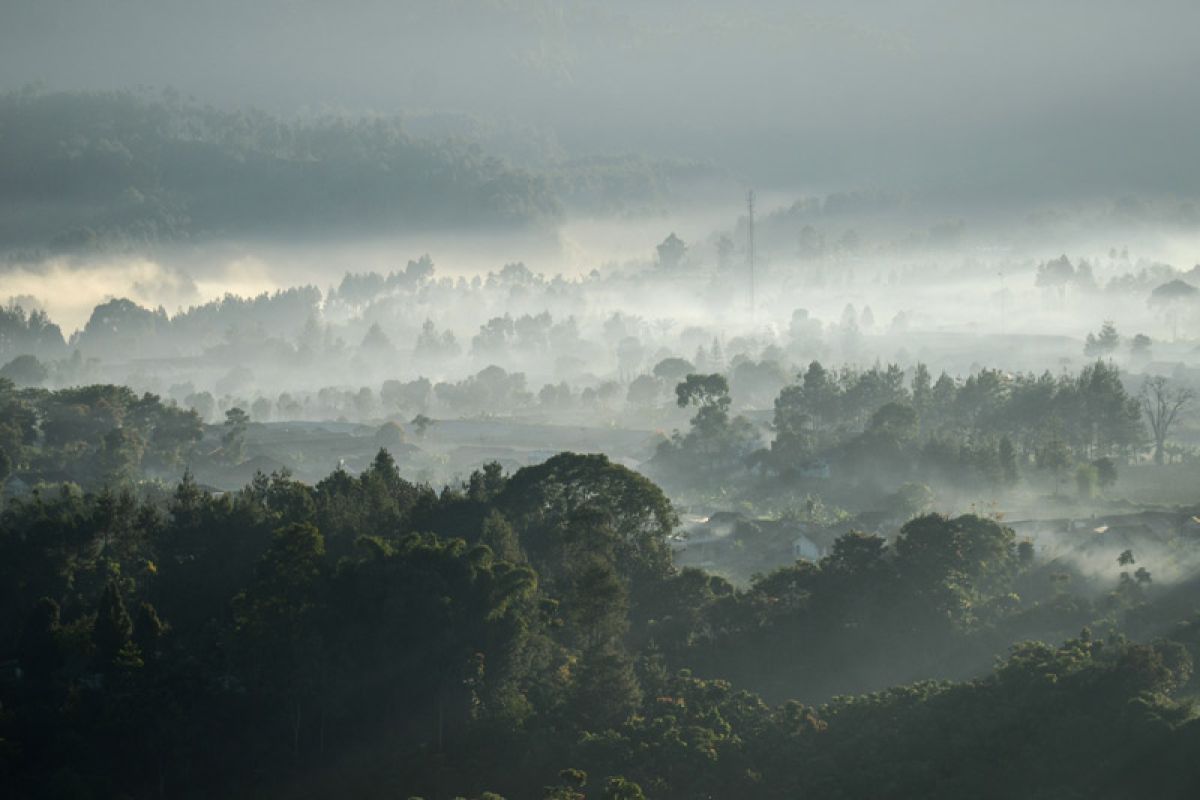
750, 247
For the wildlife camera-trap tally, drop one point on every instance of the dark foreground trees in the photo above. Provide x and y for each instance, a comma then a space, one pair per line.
526, 635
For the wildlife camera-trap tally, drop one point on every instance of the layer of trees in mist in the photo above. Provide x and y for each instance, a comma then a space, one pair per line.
412, 322
797, 392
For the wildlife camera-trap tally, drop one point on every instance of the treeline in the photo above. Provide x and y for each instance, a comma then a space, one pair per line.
865, 432
880, 428
31, 333
79, 169
92, 435
1158, 280
302, 322
527, 635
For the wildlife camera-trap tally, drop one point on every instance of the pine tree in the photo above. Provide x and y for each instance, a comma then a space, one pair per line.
605, 688
1008, 462
40, 652
501, 538
148, 628
113, 630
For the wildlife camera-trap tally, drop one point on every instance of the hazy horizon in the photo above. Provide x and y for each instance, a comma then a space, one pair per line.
971, 102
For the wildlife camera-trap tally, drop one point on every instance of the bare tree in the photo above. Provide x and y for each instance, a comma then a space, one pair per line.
1161, 403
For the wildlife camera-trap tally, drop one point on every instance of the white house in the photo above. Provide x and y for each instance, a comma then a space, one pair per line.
805, 548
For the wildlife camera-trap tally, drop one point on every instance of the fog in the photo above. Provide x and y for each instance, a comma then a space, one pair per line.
524, 398
941, 276
962, 133
969, 101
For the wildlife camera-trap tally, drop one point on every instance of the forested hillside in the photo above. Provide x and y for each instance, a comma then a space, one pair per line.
86, 169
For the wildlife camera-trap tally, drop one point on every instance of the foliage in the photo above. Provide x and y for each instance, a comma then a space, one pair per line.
93, 435
142, 170
368, 633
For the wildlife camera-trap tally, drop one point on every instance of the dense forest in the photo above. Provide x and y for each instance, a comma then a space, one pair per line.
526, 635
158, 170
875, 431
878, 429
87, 170
815, 585
541, 400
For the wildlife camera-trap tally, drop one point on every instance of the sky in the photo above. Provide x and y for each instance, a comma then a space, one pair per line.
975, 102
